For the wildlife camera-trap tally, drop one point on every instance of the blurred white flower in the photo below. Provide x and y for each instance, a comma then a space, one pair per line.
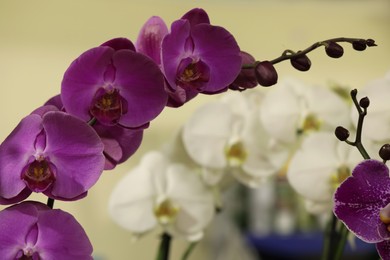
159, 192
319, 166
377, 121
226, 135
291, 107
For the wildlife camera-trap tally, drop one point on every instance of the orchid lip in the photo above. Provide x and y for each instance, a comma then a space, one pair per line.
39, 175
192, 73
108, 106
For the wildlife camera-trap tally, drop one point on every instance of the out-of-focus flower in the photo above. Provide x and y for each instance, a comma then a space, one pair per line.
50, 152
362, 203
226, 136
115, 85
31, 230
292, 107
318, 167
159, 192
376, 125
198, 57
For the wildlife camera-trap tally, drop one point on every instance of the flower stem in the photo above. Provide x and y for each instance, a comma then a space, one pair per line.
165, 243
289, 54
335, 239
50, 203
189, 250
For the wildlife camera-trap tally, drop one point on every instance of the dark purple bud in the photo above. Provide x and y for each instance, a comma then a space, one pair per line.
364, 102
341, 133
301, 63
384, 152
266, 74
370, 43
246, 78
334, 50
359, 45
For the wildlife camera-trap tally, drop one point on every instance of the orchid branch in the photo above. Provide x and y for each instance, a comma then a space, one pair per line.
335, 240
165, 244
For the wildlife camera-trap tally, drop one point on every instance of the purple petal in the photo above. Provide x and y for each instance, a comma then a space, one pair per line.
76, 151
180, 96
360, 198
383, 249
55, 101
173, 50
119, 44
119, 143
61, 237
246, 78
141, 84
15, 223
219, 50
213, 45
196, 16
15, 153
150, 38
83, 78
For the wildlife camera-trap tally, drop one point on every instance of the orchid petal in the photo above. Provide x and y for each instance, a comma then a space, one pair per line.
360, 198
83, 78
15, 152
150, 38
206, 134
76, 151
196, 16
141, 84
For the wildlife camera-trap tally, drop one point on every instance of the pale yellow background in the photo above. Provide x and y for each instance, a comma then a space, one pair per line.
39, 39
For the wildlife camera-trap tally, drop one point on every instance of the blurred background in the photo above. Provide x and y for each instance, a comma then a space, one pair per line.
40, 38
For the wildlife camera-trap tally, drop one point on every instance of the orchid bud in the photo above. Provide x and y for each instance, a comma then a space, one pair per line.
341, 133
334, 50
384, 152
359, 45
301, 63
246, 78
370, 43
364, 102
266, 74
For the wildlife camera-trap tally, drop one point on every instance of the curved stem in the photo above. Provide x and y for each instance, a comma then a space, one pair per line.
289, 54
189, 250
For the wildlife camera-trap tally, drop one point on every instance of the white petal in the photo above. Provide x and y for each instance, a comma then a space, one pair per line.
206, 133
377, 122
312, 166
132, 200
329, 107
194, 199
280, 111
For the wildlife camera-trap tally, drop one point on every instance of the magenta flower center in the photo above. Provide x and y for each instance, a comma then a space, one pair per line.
108, 106
38, 175
384, 215
192, 74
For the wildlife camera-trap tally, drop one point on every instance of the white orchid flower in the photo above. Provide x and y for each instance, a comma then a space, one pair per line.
226, 135
319, 166
292, 107
159, 192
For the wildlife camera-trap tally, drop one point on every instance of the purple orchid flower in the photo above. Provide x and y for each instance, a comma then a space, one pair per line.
362, 203
50, 152
119, 143
195, 56
115, 85
31, 230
